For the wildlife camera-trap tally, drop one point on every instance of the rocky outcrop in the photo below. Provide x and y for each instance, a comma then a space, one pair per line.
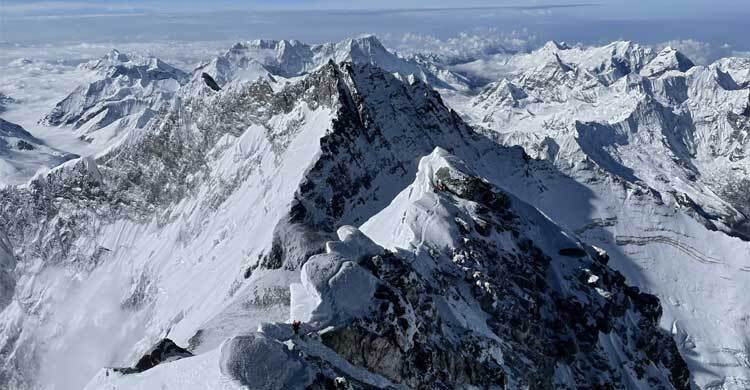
164, 351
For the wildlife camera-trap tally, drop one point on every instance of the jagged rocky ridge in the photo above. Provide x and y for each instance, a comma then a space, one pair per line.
126, 91
332, 149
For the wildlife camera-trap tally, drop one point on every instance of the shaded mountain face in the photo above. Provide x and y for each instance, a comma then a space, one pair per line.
621, 103
225, 216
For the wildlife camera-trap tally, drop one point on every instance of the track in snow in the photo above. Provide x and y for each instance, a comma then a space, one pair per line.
597, 223
681, 246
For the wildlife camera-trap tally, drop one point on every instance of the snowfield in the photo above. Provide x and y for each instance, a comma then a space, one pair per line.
339, 216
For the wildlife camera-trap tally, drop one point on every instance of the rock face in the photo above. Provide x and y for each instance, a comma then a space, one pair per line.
514, 287
337, 189
164, 352
210, 82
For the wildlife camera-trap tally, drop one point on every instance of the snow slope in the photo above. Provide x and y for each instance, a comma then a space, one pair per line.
661, 143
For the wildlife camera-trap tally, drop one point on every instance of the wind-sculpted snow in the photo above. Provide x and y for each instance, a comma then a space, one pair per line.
335, 280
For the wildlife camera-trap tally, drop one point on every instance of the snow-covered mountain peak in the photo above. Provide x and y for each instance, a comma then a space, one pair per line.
738, 70
365, 49
271, 60
554, 46
123, 93
604, 64
668, 59
116, 63
116, 56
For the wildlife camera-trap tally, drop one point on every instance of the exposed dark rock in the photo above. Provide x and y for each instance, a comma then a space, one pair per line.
572, 252
23, 145
210, 81
163, 352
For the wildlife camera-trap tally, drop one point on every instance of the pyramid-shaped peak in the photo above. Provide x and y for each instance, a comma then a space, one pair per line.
683, 62
115, 55
668, 59
554, 45
368, 39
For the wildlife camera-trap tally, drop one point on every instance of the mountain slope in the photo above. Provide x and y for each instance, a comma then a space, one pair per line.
661, 144
216, 219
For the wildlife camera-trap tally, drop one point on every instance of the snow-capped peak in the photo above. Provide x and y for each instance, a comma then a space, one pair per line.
123, 93
271, 59
668, 59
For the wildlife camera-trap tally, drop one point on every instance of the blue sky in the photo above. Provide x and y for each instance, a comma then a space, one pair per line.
645, 8
718, 24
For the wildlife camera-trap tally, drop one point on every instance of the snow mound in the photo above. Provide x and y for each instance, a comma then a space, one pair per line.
334, 280
259, 362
